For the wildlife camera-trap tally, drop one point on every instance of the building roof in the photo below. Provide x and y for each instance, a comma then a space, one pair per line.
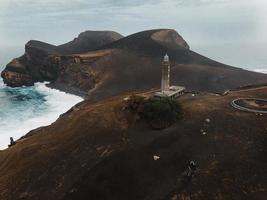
177, 88
172, 92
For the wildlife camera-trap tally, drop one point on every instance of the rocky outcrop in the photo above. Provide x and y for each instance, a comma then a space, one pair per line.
25, 70
15, 79
16, 73
89, 40
73, 68
41, 61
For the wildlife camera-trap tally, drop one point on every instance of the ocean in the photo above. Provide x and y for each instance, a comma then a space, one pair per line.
26, 108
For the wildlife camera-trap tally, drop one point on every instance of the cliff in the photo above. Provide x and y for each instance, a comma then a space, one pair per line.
100, 151
103, 64
40, 61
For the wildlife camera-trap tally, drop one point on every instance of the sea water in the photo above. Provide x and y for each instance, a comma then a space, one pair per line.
26, 108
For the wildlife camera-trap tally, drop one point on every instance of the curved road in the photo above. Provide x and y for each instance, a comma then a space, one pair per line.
235, 105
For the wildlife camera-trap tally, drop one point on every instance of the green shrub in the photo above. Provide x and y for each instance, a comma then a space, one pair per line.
161, 112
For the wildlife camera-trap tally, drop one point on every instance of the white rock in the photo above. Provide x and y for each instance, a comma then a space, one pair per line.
126, 99
155, 157
207, 120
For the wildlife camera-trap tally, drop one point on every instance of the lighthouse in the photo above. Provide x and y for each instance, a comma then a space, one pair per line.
165, 75
166, 89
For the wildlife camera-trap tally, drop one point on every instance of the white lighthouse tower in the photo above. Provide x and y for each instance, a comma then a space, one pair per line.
165, 77
166, 89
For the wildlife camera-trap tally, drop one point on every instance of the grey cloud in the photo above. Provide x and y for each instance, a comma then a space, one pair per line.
27, 19
201, 2
130, 3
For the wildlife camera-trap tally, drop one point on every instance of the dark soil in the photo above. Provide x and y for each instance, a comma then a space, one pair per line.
98, 151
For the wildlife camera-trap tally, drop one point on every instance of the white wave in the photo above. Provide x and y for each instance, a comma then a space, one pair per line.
56, 103
261, 70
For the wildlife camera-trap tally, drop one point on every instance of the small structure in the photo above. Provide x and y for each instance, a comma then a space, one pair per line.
12, 142
166, 89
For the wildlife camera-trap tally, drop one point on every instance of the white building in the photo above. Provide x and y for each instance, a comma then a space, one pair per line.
166, 89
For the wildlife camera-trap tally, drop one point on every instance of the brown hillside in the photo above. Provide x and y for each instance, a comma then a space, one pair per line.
98, 152
134, 63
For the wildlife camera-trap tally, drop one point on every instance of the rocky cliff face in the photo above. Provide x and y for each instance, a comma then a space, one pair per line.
16, 74
25, 70
41, 61
103, 64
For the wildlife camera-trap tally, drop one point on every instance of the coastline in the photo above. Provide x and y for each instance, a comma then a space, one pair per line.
24, 117
68, 90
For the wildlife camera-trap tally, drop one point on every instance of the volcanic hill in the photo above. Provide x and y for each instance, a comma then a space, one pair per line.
99, 151
104, 64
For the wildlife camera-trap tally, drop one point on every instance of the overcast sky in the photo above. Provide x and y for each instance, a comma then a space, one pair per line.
198, 21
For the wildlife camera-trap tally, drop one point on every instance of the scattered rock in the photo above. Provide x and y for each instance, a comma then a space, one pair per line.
126, 98
207, 120
155, 157
73, 190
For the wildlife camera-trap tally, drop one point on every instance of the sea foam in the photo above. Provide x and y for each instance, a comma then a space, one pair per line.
27, 108
264, 71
